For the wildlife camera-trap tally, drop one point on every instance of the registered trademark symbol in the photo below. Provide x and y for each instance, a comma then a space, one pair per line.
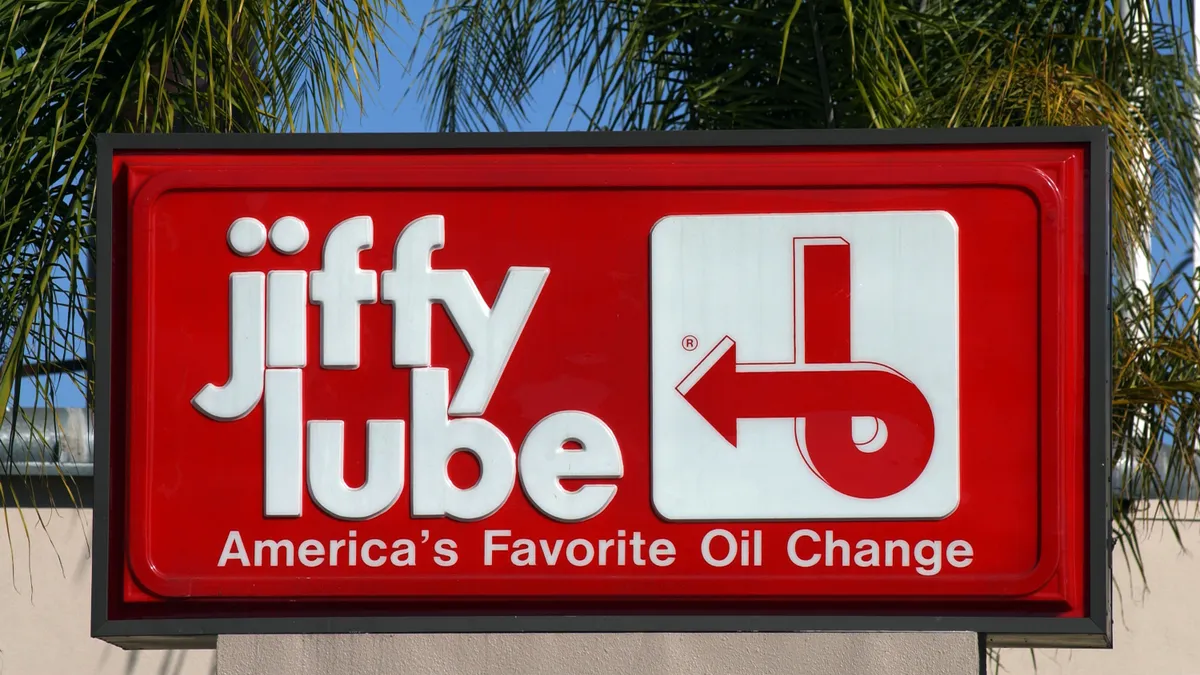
690, 342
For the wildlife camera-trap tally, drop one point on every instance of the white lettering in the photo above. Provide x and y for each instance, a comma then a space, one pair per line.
490, 545
931, 563
490, 333
957, 548
234, 540
551, 554
404, 553
791, 548
605, 545
435, 437
445, 553
662, 552
385, 469
283, 452
275, 547
926, 556
340, 287
311, 553
268, 331
524, 553
831, 544
372, 552
289, 235
544, 460
578, 552
730, 544
335, 546
637, 542
580, 560
287, 330
866, 553
893, 546
370, 560
247, 324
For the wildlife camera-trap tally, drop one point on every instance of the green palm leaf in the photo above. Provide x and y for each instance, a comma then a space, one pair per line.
753, 64
70, 69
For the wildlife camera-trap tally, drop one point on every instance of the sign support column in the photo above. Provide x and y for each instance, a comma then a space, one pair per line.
596, 654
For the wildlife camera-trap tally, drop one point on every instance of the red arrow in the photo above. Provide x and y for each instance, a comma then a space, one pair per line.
826, 399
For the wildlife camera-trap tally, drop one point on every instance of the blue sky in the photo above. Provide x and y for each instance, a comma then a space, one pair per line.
393, 107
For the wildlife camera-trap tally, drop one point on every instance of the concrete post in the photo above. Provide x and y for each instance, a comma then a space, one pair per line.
602, 654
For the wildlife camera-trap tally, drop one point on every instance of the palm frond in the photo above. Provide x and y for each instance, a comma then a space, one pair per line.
700, 64
704, 64
1156, 402
70, 69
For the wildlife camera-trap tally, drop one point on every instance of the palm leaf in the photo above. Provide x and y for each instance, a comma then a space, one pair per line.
752, 64
70, 69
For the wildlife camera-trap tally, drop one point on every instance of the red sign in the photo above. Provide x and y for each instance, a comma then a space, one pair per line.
604, 382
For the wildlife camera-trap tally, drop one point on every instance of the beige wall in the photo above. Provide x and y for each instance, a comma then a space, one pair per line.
45, 620
45, 625
1156, 625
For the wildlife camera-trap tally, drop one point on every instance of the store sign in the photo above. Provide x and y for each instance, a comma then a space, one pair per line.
615, 382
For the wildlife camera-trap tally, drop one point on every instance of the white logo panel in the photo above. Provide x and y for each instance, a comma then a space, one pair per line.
805, 366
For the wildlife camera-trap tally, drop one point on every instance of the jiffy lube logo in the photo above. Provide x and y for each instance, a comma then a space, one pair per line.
268, 351
808, 368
